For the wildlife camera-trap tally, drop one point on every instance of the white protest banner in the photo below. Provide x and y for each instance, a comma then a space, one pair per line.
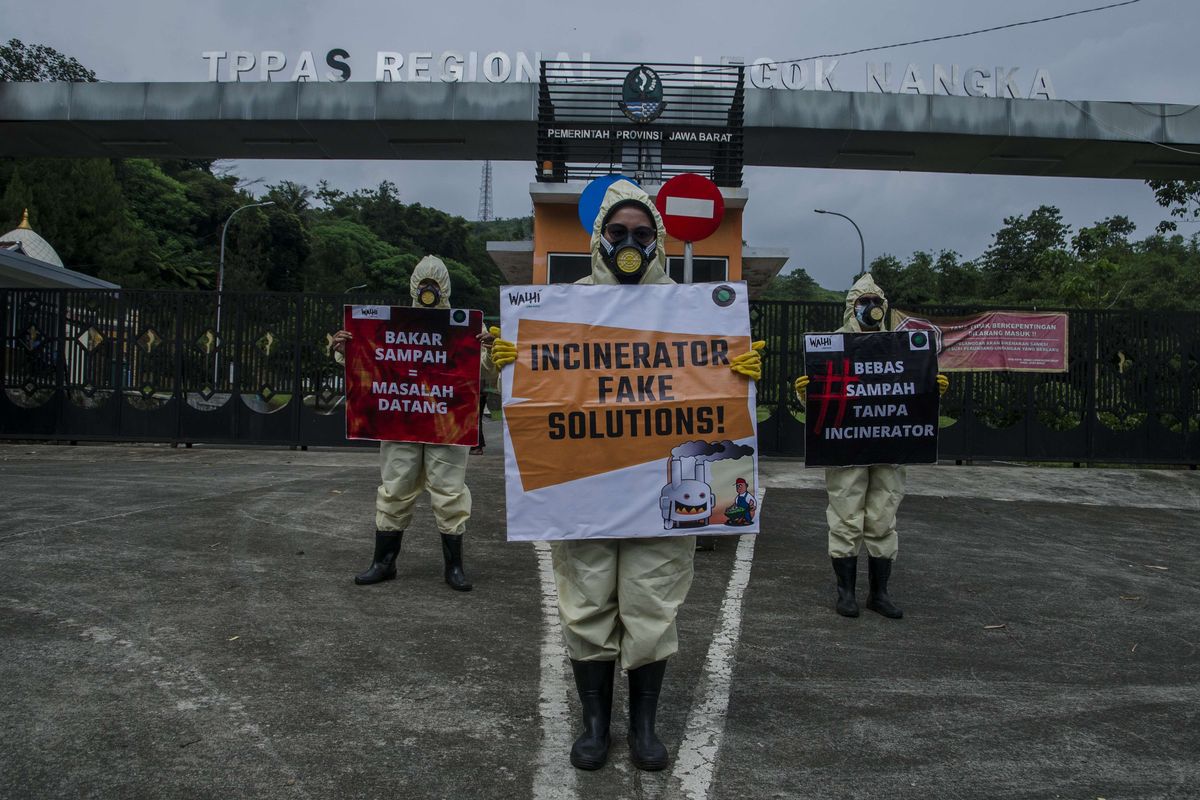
622, 418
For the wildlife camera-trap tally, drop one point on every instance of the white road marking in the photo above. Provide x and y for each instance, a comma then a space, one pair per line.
697, 759
555, 777
689, 207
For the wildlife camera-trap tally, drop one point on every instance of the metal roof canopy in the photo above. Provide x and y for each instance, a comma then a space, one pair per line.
19, 271
478, 121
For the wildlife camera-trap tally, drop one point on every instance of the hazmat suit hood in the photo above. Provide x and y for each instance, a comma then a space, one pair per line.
864, 285
431, 268
622, 193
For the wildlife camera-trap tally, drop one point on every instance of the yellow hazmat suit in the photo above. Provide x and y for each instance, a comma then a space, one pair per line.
618, 598
863, 500
407, 468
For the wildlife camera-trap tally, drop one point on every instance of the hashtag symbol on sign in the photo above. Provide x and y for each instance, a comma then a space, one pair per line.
831, 391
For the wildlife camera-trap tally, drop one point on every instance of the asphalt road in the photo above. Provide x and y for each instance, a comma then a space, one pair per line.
182, 624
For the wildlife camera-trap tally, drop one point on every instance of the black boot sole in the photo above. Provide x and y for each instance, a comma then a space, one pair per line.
388, 576
464, 586
646, 764
589, 764
897, 614
852, 613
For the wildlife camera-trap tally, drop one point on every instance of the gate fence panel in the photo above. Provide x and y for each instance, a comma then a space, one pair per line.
1131, 392
175, 366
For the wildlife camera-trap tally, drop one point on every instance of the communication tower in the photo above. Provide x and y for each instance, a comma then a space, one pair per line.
485, 193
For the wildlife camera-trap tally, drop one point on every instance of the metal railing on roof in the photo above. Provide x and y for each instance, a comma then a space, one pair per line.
584, 132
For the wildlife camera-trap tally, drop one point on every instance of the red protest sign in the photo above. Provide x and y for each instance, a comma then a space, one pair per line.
993, 341
691, 207
412, 374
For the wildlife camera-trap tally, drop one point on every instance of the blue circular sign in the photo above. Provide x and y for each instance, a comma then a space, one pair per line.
593, 196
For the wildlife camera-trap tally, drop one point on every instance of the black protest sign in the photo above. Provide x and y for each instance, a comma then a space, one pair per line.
872, 399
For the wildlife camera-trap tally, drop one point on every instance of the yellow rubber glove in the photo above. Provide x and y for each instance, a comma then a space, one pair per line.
801, 385
943, 384
504, 352
749, 364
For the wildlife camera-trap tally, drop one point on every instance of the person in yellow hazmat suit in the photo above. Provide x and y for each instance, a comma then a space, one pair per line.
618, 598
863, 501
408, 468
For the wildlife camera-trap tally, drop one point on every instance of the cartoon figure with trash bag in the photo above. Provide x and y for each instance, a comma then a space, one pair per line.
742, 510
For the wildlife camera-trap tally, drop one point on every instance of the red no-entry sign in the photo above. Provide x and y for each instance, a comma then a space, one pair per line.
691, 207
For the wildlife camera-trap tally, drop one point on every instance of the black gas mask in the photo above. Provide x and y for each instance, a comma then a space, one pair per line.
428, 295
630, 257
869, 314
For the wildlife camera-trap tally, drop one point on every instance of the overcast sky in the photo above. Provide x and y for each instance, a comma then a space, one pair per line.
1143, 52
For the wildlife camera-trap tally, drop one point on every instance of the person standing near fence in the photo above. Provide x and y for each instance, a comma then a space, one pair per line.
863, 501
408, 468
618, 598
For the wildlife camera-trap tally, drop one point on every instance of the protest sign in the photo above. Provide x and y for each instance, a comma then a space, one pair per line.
622, 418
412, 374
872, 399
1012, 341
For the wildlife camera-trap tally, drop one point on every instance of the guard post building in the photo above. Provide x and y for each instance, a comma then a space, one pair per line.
648, 123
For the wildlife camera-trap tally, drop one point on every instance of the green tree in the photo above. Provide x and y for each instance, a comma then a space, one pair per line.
1181, 198
797, 285
886, 270
295, 197
1024, 254
1094, 277
268, 251
1163, 272
37, 62
957, 282
79, 207
346, 253
17, 198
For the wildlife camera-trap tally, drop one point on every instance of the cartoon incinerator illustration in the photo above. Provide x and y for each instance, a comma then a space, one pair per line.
688, 499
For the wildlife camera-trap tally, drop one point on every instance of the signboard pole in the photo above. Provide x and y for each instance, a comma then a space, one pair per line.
687, 262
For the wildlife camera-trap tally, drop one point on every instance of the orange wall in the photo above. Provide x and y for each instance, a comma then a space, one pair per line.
556, 229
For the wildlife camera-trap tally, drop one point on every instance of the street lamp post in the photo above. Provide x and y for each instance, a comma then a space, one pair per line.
221, 282
862, 245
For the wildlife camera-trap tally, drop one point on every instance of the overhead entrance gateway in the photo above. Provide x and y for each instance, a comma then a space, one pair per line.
481, 121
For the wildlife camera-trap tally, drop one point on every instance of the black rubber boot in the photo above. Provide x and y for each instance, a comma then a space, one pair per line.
383, 565
879, 570
645, 684
594, 680
706, 543
452, 553
846, 570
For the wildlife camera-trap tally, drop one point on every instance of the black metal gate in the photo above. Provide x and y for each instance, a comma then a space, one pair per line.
256, 369
1131, 393
172, 366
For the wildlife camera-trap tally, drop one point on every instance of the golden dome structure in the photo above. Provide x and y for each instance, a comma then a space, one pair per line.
26, 240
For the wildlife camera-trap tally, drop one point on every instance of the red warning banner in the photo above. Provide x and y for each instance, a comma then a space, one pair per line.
994, 341
412, 374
